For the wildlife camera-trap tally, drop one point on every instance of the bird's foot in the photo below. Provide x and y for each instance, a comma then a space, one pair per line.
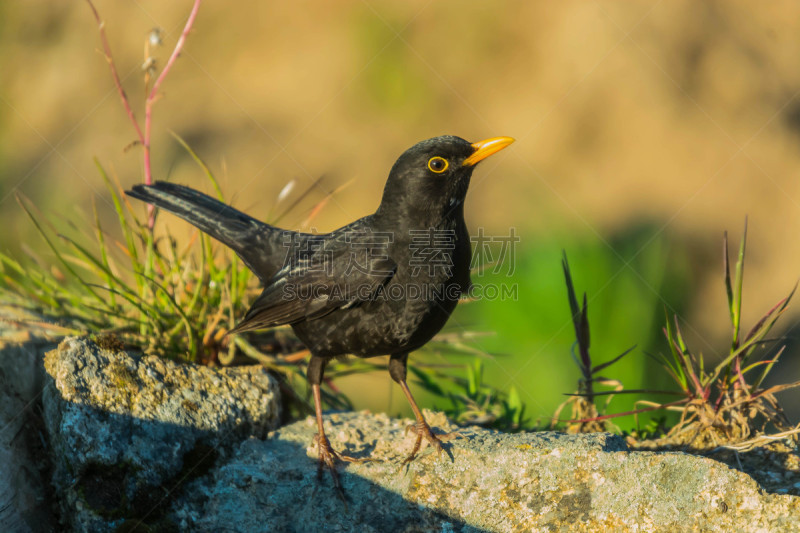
328, 457
423, 431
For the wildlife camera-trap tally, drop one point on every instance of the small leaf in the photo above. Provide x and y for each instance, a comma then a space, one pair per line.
760, 379
515, 405
736, 309
600, 367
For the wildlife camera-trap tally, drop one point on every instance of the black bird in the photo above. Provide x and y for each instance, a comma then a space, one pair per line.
384, 284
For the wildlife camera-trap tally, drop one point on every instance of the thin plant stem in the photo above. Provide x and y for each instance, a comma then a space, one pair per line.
153, 96
144, 136
101, 26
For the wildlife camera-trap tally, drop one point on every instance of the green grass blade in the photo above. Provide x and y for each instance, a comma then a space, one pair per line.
199, 161
756, 334
736, 308
426, 381
200, 285
187, 324
99, 267
123, 219
515, 406
600, 367
677, 357
767, 369
58, 254
728, 285
103, 252
580, 320
668, 366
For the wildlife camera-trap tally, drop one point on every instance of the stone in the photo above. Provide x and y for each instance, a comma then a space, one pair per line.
140, 443
125, 430
543, 481
24, 491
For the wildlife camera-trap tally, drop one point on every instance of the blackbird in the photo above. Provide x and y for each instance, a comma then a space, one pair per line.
382, 285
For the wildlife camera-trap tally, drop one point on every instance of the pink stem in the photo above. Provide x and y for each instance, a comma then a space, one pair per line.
144, 137
151, 99
107, 52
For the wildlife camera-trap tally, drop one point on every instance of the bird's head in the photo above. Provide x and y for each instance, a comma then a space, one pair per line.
430, 180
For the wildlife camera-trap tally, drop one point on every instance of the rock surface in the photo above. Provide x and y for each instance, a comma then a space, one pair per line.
24, 503
138, 442
126, 430
543, 481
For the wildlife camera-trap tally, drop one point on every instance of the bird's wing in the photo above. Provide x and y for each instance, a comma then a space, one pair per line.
340, 271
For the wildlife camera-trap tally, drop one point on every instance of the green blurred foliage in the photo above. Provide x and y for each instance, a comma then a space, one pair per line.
629, 278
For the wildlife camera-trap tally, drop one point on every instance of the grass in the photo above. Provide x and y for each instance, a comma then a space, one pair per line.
722, 404
726, 404
472, 401
160, 296
585, 415
624, 274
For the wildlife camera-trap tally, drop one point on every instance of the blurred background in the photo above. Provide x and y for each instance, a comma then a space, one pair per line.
644, 131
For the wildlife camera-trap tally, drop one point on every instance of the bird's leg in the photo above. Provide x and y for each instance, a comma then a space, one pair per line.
421, 428
327, 455
397, 369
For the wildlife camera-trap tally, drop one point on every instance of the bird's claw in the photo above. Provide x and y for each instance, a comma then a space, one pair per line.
423, 430
328, 458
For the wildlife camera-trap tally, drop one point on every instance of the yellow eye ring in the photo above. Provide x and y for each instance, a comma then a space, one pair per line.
438, 164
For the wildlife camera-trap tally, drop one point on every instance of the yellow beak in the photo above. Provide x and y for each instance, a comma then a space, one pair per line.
484, 149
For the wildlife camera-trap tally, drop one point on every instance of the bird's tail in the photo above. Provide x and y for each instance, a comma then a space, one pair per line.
258, 244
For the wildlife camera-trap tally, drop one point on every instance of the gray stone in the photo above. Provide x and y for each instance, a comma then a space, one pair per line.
139, 441
24, 502
127, 430
497, 482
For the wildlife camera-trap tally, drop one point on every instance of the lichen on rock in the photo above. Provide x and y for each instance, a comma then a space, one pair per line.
126, 429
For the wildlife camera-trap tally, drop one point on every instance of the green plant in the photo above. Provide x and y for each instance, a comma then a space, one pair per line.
719, 405
585, 415
725, 404
161, 300
473, 402
149, 292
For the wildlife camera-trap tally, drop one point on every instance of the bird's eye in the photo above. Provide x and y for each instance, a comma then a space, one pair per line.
438, 164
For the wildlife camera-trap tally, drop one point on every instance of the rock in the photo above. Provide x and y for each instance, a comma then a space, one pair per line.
127, 430
139, 443
24, 502
543, 481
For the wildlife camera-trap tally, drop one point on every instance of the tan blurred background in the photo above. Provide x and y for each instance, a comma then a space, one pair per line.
685, 114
